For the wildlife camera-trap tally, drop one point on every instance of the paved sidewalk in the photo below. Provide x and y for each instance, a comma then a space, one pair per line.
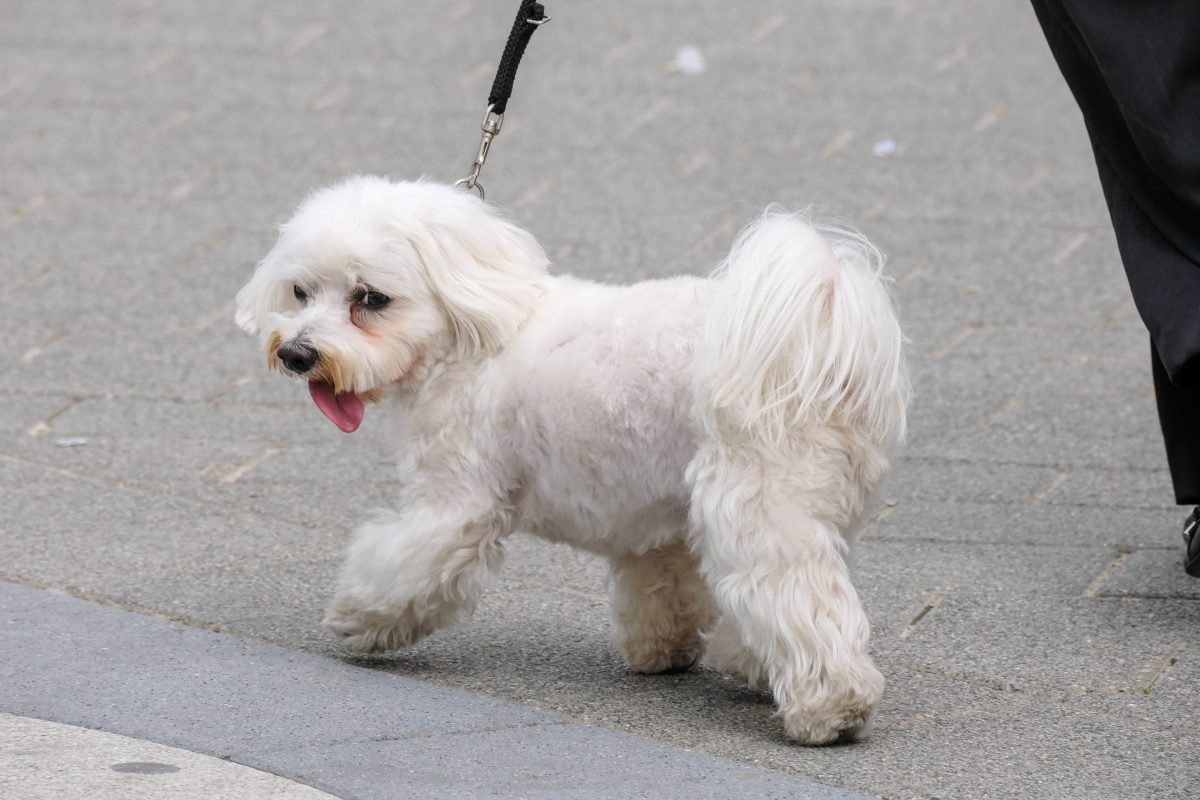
358, 733
42, 760
1028, 607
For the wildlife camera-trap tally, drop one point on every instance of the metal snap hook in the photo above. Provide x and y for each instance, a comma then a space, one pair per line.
469, 184
492, 122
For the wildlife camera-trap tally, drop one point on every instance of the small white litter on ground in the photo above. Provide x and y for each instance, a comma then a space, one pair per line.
884, 148
71, 441
689, 60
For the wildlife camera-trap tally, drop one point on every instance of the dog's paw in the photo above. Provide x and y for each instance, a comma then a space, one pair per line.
843, 713
650, 650
371, 631
650, 661
846, 725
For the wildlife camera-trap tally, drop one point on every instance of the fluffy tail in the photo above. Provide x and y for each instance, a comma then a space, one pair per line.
802, 333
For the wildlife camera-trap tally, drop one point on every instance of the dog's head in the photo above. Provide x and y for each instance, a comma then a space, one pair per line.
370, 279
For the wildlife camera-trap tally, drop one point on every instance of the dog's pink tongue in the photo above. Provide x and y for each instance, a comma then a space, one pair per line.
344, 409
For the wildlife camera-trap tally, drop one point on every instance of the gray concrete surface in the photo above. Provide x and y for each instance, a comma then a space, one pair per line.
42, 760
358, 733
1025, 589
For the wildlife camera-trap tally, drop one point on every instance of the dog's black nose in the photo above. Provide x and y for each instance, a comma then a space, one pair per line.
297, 357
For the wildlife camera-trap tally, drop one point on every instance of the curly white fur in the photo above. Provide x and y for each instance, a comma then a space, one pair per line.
717, 440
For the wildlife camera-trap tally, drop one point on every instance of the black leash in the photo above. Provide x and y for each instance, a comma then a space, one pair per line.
530, 16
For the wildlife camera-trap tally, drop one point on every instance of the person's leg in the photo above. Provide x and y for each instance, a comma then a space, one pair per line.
1142, 104
1136, 77
1177, 412
1176, 282
1134, 69
1181, 431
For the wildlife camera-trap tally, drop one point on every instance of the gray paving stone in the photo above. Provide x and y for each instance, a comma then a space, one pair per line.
1020, 523
1020, 737
1104, 645
1026, 422
947, 480
897, 578
1151, 574
1129, 488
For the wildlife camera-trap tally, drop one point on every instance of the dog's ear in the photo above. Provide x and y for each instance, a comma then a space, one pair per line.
260, 296
486, 271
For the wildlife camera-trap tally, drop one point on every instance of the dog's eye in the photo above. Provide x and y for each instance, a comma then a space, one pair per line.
374, 300
300, 294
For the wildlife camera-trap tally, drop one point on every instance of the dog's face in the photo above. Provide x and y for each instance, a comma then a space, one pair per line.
371, 279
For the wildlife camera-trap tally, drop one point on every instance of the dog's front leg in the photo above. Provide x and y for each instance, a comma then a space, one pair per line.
408, 574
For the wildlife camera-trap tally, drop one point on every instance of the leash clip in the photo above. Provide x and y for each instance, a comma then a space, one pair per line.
490, 127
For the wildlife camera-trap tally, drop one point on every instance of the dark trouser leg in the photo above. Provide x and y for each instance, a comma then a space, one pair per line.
1178, 414
1178, 409
1134, 69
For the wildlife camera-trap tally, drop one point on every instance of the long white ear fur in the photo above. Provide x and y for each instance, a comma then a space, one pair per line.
486, 271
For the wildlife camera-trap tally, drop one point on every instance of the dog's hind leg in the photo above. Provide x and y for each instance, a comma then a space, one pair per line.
778, 571
801, 396
661, 608
408, 574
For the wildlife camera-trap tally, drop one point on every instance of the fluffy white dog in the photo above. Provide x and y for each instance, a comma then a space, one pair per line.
717, 440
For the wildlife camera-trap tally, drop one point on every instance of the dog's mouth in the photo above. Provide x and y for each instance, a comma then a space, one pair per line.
344, 409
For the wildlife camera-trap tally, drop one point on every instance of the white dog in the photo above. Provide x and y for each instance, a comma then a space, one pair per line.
717, 440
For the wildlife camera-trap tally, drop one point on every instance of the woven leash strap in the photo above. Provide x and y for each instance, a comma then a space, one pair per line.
530, 17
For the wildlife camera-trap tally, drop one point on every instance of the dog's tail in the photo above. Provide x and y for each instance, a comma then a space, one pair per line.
801, 335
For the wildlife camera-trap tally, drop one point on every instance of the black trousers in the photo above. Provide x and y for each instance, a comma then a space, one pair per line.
1134, 68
